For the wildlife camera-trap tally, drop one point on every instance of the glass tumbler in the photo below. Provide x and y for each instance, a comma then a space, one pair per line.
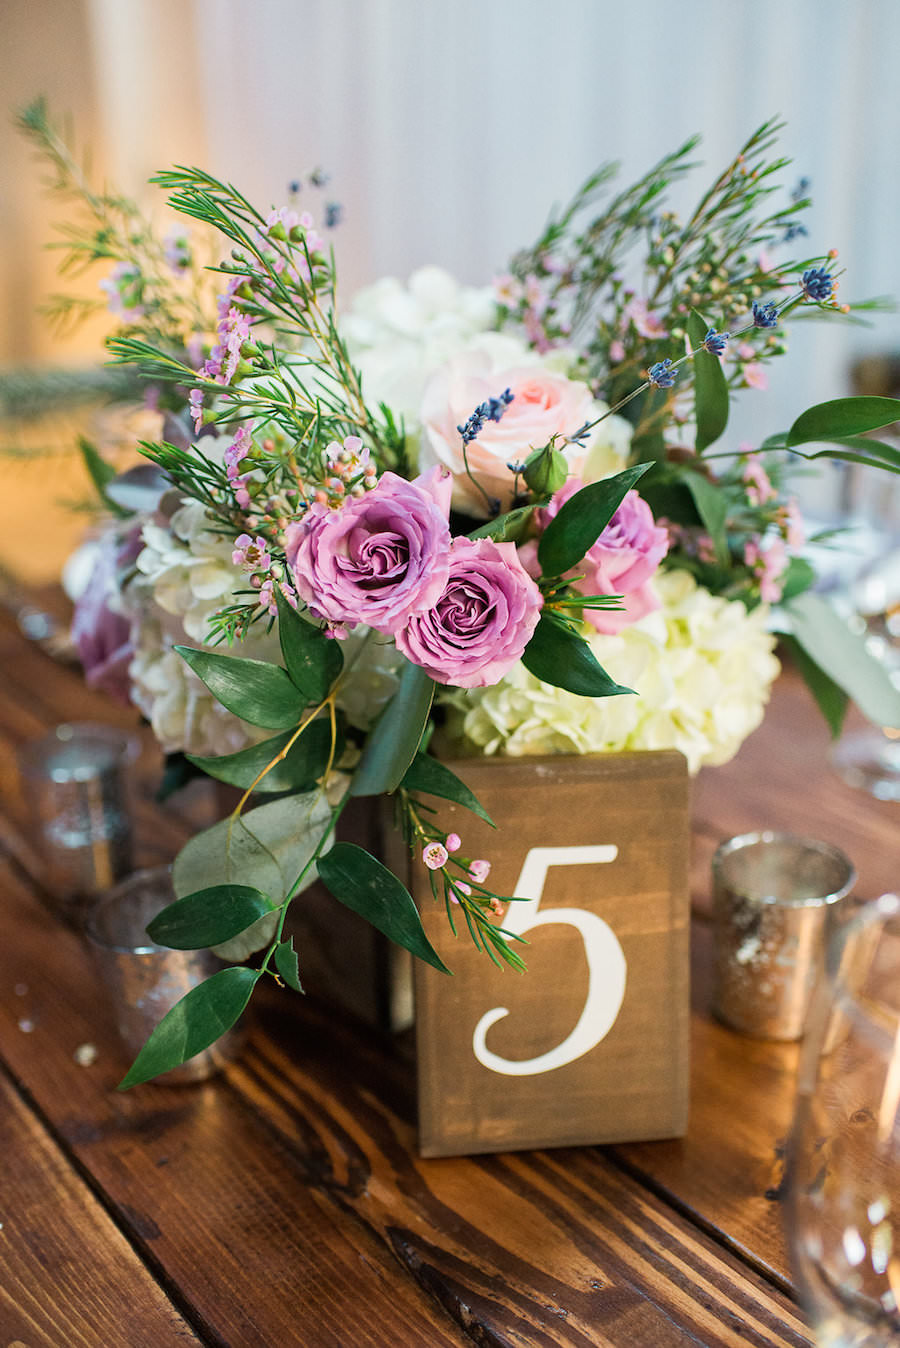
843, 1171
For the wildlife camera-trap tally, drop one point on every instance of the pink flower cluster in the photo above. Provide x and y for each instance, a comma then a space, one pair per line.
767, 559
233, 331
236, 452
463, 610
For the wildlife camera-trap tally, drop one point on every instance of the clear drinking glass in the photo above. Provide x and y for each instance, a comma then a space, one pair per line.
843, 1208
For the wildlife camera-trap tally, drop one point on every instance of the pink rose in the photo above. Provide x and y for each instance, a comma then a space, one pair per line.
377, 559
544, 404
622, 561
481, 624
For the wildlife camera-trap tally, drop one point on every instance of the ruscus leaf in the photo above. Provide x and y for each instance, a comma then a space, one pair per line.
362, 884
436, 779
560, 657
843, 656
392, 745
257, 692
287, 965
208, 917
197, 1021
299, 770
581, 521
312, 659
842, 417
710, 387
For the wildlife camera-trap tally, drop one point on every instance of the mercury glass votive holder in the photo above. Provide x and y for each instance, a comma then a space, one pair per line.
143, 980
775, 896
76, 783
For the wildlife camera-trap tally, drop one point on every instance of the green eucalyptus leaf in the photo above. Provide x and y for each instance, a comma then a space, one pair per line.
392, 745
580, 522
842, 417
362, 884
832, 700
266, 848
843, 656
299, 770
198, 1020
208, 917
313, 660
508, 528
558, 656
712, 507
710, 387
436, 779
254, 690
287, 965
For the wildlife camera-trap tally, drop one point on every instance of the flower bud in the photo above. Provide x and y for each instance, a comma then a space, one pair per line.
277, 231
545, 471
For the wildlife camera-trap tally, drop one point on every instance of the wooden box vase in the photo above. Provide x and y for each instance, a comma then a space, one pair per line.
591, 1044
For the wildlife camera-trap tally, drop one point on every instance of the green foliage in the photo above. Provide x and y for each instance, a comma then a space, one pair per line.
508, 528
712, 506
434, 778
831, 699
558, 656
265, 848
208, 917
362, 884
313, 660
287, 965
301, 768
197, 1021
843, 417
710, 387
257, 692
580, 522
392, 745
101, 474
842, 655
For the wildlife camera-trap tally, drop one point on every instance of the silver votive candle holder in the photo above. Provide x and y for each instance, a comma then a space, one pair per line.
76, 783
143, 980
774, 898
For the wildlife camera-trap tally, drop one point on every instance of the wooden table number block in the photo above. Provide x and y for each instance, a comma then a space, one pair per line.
591, 1044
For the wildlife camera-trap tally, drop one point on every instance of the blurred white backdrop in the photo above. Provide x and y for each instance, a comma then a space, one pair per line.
449, 130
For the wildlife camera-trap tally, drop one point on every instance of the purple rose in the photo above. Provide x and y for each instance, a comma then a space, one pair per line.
479, 627
376, 559
100, 631
622, 561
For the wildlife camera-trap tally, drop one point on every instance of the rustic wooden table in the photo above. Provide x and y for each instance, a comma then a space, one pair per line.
284, 1202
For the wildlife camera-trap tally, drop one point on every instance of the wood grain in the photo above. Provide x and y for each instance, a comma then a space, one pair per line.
632, 1083
68, 1275
198, 1181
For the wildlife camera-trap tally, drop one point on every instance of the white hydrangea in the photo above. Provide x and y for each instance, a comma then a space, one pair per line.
397, 334
702, 665
185, 575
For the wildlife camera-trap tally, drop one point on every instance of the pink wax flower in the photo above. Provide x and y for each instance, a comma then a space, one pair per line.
507, 290
791, 523
768, 560
622, 561
616, 351
251, 554
755, 376
378, 559
479, 871
756, 480
434, 854
479, 626
646, 323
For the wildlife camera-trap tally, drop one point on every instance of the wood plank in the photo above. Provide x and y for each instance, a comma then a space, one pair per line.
727, 1173
260, 1241
69, 1276
534, 1248
782, 779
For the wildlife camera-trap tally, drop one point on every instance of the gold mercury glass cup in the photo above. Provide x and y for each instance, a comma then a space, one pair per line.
144, 980
774, 898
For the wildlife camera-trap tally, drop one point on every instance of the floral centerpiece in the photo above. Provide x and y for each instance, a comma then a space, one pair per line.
505, 521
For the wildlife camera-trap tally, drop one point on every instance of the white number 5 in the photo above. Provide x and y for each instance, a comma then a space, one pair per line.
606, 962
